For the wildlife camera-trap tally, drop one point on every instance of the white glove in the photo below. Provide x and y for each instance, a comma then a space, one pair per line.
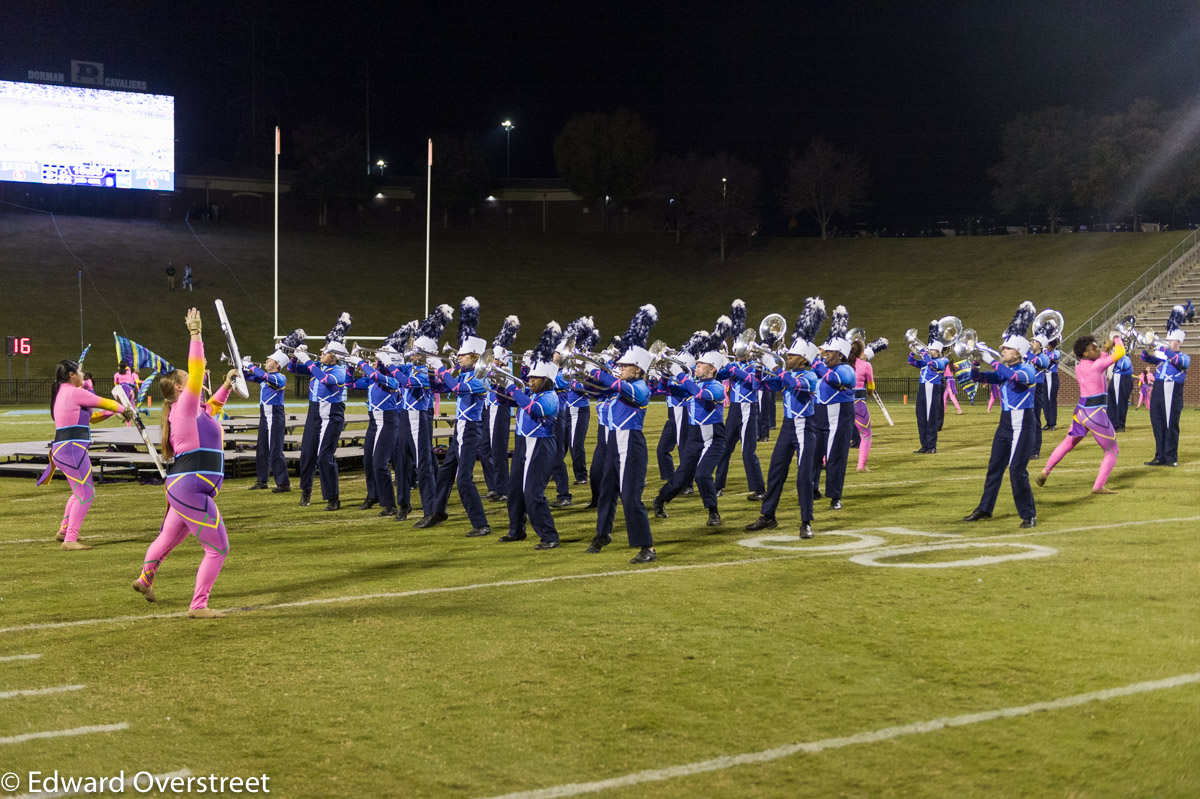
301, 354
499, 354
1162, 354
987, 357
769, 363
675, 369
868, 353
247, 362
353, 360
434, 363
653, 376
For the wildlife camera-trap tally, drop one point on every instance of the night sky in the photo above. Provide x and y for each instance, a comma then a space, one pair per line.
921, 89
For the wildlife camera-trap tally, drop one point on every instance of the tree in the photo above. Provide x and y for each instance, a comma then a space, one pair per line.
1125, 161
330, 166
1043, 159
460, 177
823, 181
722, 203
605, 157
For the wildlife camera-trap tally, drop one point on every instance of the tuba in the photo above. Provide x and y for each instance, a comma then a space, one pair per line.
773, 326
949, 329
857, 334
1051, 315
1126, 330
966, 345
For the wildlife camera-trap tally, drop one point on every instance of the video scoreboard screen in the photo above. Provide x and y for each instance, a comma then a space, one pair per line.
86, 137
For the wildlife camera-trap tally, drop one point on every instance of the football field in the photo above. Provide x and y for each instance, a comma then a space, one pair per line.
899, 653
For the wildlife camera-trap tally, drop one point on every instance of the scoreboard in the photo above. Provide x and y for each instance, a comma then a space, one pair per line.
18, 345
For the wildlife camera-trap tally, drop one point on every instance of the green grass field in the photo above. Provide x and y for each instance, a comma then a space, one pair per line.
888, 285
373, 659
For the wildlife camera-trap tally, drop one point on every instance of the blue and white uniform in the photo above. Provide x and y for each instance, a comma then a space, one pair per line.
416, 461
742, 425
624, 471
1120, 386
833, 422
797, 439
706, 443
272, 426
534, 456
1166, 401
930, 406
1012, 445
383, 430
458, 465
323, 425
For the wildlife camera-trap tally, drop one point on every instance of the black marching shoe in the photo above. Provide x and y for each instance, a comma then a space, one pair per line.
931, 451
646, 555
687, 492
816, 493
920, 451
581, 481
387, 510
835, 504
564, 502
660, 511
283, 489
305, 499
334, 504
368, 503
806, 530
757, 496
402, 514
430, 521
714, 518
762, 523
720, 492
976, 515
500, 498
490, 496
479, 532
511, 536
258, 486
590, 506
1156, 462
1030, 522
599, 543
541, 545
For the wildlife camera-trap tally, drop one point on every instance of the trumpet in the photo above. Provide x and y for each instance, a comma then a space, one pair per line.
662, 355
745, 348
246, 361
1151, 341
914, 341
581, 360
367, 354
448, 350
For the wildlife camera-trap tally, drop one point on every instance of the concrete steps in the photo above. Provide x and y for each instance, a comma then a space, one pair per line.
1152, 314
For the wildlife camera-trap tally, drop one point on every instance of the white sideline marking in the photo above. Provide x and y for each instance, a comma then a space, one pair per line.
118, 787
537, 580
874, 736
11, 658
57, 689
32, 736
877, 558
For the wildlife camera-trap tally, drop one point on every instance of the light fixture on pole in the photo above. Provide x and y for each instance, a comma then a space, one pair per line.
381, 164
508, 127
724, 186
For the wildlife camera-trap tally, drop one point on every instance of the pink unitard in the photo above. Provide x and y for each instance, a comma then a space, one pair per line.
69, 452
864, 379
193, 483
1091, 415
950, 394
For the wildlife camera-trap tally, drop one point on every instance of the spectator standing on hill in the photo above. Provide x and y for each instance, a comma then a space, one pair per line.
1190, 312
170, 277
187, 277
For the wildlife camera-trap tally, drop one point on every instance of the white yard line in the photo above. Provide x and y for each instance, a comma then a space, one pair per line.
11, 658
873, 736
560, 578
57, 689
33, 736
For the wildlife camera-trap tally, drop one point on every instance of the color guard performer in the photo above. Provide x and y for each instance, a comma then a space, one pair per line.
458, 464
706, 409
929, 411
272, 416
835, 409
536, 448
742, 424
73, 409
864, 381
1091, 414
624, 472
191, 432
1166, 398
798, 384
1012, 444
326, 414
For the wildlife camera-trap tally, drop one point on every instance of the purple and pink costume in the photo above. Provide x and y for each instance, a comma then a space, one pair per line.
193, 482
1091, 414
951, 392
69, 452
864, 376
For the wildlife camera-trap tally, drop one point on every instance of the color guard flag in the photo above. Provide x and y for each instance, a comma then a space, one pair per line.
138, 357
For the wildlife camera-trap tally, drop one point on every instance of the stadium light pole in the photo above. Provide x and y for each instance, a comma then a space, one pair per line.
508, 127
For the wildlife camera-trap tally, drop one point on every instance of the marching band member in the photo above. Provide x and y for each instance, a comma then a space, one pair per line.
835, 409
326, 414
1166, 399
1012, 444
1040, 360
1052, 381
71, 407
864, 381
458, 465
191, 432
678, 427
604, 400
951, 392
493, 448
272, 417
929, 410
797, 439
744, 385
562, 440
706, 409
578, 408
383, 429
1120, 385
416, 402
1091, 414
624, 472
766, 398
536, 448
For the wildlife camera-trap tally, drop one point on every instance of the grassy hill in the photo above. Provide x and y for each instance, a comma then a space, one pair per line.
888, 285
